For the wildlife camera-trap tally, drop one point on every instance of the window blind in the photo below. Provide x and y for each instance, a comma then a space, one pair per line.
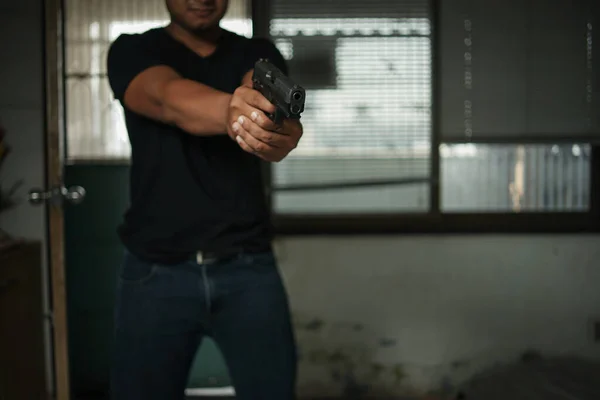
367, 70
348, 9
514, 69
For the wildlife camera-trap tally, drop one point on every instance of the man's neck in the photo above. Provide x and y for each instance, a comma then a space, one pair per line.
202, 43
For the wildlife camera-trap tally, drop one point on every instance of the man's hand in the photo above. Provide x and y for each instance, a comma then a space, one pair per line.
260, 136
255, 132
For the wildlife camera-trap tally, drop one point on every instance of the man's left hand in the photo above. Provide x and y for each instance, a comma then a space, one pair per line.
258, 135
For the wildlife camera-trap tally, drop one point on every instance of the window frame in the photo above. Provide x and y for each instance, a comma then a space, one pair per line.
433, 221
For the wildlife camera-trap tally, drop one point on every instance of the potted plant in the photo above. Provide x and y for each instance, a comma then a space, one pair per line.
7, 195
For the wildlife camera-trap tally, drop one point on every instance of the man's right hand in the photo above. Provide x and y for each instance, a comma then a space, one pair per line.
256, 133
244, 102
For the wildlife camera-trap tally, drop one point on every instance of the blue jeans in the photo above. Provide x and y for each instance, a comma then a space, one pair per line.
163, 312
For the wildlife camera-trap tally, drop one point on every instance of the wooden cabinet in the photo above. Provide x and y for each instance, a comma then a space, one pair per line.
22, 364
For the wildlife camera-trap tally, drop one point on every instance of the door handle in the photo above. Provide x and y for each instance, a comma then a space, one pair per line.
57, 195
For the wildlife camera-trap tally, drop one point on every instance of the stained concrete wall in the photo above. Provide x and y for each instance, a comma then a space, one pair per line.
401, 314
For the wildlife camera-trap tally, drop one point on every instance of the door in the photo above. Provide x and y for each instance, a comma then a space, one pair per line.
54, 196
87, 190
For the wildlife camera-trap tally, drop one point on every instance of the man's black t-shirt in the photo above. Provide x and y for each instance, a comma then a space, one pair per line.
189, 193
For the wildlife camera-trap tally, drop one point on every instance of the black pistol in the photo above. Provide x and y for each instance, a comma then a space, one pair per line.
280, 90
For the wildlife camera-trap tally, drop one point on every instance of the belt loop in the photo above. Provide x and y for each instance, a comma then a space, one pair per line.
199, 257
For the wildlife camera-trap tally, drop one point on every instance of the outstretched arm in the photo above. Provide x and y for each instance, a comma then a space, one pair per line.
159, 93
146, 86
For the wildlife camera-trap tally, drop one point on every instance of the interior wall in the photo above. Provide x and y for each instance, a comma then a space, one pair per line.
22, 116
22, 110
396, 314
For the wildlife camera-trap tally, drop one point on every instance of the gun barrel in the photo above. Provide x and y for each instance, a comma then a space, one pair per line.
279, 89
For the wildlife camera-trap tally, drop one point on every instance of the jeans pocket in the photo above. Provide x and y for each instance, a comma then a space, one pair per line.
136, 271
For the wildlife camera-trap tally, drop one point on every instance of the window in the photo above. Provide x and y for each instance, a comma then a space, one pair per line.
367, 141
509, 130
517, 106
515, 178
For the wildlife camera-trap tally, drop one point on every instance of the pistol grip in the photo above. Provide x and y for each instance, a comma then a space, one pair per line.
277, 117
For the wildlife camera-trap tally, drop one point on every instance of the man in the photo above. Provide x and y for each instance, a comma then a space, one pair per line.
198, 261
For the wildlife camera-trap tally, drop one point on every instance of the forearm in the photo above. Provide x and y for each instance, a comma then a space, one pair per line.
195, 108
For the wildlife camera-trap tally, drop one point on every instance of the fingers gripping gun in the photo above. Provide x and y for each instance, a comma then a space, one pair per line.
280, 90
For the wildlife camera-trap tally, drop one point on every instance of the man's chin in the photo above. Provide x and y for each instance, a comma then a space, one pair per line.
205, 28
199, 27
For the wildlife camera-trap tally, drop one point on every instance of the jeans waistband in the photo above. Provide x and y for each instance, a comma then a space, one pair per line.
211, 257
